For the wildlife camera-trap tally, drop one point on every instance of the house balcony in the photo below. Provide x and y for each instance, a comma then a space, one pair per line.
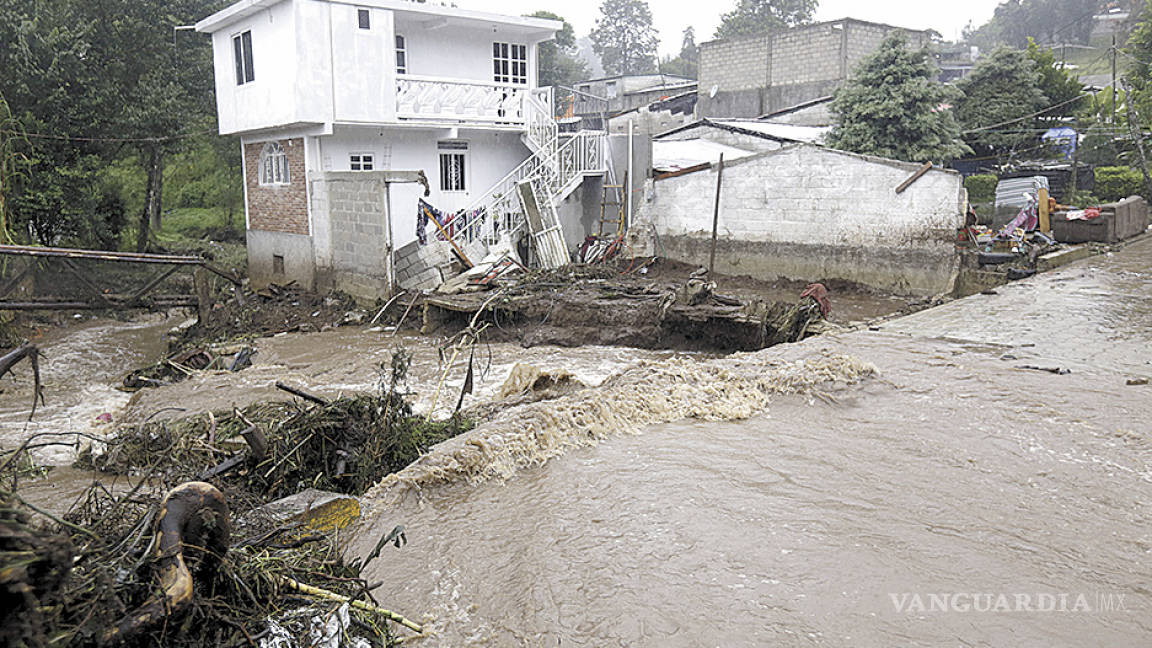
464, 101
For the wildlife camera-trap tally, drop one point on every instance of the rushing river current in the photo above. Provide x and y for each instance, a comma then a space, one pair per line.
978, 474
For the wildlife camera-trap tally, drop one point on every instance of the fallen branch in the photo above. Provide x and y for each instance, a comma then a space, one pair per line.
301, 393
332, 596
32, 352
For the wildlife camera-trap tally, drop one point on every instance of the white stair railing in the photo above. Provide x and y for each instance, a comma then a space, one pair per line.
554, 168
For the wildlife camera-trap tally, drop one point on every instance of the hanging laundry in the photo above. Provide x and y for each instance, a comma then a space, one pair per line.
424, 213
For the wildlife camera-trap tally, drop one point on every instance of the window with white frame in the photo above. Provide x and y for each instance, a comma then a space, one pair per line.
242, 55
453, 170
361, 161
509, 63
274, 165
364, 19
610, 89
401, 55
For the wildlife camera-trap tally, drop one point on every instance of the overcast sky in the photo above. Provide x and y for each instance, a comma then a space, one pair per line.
672, 16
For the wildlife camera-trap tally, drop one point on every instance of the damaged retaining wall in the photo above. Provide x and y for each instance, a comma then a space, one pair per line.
810, 213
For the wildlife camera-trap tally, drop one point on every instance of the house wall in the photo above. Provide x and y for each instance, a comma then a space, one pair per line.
491, 155
814, 214
313, 64
277, 208
274, 64
457, 52
278, 220
759, 74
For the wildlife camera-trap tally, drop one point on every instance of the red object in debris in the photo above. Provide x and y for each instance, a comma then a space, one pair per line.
1091, 212
819, 294
104, 418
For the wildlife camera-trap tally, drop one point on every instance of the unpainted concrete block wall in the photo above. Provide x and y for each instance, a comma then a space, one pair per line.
418, 266
756, 75
812, 214
354, 208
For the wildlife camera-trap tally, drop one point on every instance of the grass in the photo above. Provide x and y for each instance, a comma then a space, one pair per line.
206, 231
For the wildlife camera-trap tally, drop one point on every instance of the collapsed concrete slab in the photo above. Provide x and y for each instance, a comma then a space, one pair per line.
811, 213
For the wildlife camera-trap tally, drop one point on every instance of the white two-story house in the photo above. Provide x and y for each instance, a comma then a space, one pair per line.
333, 99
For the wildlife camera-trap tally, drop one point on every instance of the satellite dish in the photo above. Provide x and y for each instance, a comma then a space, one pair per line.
712, 92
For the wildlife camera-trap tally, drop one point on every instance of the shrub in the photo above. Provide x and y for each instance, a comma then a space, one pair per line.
981, 187
1116, 183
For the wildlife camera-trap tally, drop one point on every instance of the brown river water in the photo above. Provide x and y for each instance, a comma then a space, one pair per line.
906, 486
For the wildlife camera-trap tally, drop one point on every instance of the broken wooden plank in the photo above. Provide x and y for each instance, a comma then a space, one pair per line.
915, 176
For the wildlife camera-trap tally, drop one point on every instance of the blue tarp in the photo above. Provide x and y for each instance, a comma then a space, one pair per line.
1063, 140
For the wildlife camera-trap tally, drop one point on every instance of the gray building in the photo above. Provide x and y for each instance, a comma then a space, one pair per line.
756, 75
610, 96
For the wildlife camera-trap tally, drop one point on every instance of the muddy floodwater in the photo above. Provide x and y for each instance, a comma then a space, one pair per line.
977, 474
952, 498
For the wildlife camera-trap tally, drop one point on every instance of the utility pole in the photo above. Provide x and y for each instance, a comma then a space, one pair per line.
1113, 78
1075, 162
1135, 130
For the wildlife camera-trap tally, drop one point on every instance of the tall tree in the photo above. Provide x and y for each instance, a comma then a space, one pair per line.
1059, 84
687, 63
99, 77
1138, 51
560, 64
1047, 21
893, 107
760, 16
624, 37
1000, 97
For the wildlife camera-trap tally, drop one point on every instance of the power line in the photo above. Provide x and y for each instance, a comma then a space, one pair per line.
68, 138
1026, 117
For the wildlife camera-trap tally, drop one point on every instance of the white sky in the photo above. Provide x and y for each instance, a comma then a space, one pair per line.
672, 16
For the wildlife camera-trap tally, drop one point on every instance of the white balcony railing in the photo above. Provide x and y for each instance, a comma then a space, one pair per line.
459, 100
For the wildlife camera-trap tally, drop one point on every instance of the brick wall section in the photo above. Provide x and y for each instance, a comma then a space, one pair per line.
277, 208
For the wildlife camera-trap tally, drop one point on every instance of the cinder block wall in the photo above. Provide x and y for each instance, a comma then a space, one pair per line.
354, 206
814, 214
759, 74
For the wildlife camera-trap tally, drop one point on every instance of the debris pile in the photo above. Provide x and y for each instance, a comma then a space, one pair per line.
598, 304
227, 557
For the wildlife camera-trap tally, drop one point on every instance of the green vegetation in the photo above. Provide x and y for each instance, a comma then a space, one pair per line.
1116, 183
1048, 21
687, 63
981, 187
760, 16
890, 108
559, 63
624, 37
1004, 87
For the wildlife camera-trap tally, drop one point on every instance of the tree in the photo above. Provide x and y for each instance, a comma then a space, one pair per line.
1138, 51
95, 79
1062, 88
560, 64
760, 16
624, 37
1000, 97
687, 63
1047, 21
893, 107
